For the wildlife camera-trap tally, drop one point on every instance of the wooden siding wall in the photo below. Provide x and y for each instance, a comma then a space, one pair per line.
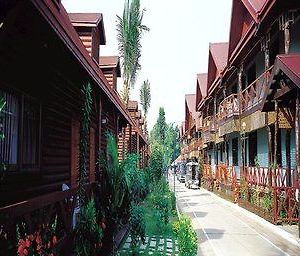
109, 114
35, 62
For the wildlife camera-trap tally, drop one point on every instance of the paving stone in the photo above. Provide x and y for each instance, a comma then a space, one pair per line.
169, 244
153, 243
126, 245
143, 246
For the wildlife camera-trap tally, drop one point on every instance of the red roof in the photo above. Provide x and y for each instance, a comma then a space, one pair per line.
217, 61
89, 20
110, 62
290, 65
190, 100
254, 7
201, 90
244, 15
219, 52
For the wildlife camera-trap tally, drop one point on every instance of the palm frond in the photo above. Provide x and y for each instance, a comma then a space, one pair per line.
145, 96
129, 33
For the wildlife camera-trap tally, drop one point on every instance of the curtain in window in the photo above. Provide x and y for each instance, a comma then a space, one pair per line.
30, 133
10, 124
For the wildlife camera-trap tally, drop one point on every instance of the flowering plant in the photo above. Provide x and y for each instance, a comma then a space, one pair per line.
41, 242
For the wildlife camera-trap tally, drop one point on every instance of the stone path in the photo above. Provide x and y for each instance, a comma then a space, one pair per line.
155, 245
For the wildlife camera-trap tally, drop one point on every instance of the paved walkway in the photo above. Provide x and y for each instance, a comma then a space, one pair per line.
154, 245
224, 229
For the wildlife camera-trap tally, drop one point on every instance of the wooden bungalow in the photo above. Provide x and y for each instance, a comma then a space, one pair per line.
45, 59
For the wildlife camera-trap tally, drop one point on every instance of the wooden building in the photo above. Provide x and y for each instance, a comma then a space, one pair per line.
46, 56
249, 106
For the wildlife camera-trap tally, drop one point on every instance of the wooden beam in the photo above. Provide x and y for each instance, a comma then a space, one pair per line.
279, 93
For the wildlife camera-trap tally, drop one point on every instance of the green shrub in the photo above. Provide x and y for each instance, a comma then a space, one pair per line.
137, 226
187, 238
157, 161
160, 201
88, 233
268, 200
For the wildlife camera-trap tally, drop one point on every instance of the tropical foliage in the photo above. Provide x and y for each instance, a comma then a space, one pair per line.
145, 98
187, 237
84, 141
165, 145
137, 226
88, 232
124, 188
130, 30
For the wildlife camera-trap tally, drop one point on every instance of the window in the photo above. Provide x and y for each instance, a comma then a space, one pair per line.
235, 154
21, 126
10, 125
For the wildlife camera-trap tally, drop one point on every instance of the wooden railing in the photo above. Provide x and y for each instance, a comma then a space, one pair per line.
209, 124
253, 94
229, 107
39, 216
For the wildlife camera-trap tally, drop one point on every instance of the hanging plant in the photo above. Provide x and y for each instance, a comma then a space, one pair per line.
84, 142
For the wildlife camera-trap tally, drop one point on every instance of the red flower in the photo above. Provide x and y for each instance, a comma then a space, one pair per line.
103, 225
27, 242
38, 239
54, 240
22, 248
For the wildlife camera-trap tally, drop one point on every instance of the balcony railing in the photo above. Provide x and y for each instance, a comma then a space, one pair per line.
229, 107
253, 94
209, 124
55, 211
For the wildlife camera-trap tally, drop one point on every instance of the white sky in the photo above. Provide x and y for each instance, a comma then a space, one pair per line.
175, 49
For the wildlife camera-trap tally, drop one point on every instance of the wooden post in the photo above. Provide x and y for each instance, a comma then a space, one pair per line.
270, 154
240, 86
276, 136
288, 156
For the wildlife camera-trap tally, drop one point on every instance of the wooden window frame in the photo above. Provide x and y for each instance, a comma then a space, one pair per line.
19, 167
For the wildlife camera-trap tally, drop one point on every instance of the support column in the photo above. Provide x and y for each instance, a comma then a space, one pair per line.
276, 135
270, 154
240, 74
288, 156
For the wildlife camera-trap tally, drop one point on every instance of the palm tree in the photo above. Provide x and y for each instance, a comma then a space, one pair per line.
130, 30
145, 98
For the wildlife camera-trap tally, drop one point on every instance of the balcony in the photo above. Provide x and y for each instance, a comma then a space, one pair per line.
229, 107
209, 124
252, 96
